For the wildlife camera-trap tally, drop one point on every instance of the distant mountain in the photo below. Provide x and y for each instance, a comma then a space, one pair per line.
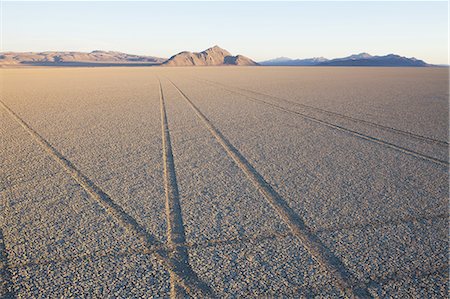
284, 61
361, 59
76, 58
214, 56
276, 61
365, 59
209, 57
355, 57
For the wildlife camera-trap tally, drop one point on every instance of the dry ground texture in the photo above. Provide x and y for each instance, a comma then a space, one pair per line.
224, 182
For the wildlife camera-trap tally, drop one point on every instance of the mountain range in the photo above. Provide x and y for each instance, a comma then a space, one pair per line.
362, 59
214, 56
56, 58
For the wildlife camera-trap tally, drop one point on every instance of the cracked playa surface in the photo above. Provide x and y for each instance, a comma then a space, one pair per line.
280, 182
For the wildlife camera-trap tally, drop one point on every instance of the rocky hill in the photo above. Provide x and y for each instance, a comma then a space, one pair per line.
209, 57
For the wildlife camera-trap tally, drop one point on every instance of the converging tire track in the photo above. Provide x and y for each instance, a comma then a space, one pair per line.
344, 279
175, 229
180, 273
7, 287
354, 119
346, 130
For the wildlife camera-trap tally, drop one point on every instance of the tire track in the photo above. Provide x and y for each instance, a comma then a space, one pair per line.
379, 224
7, 286
175, 229
414, 275
354, 119
219, 242
184, 277
344, 279
348, 131
331, 229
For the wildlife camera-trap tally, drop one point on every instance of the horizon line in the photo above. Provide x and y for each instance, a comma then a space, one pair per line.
259, 60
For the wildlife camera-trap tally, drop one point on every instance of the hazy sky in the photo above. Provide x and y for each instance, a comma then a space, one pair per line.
260, 30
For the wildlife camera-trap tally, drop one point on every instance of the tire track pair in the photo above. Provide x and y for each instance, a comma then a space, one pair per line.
343, 278
348, 117
175, 229
339, 127
183, 275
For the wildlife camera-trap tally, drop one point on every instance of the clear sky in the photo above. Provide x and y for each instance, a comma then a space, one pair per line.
260, 30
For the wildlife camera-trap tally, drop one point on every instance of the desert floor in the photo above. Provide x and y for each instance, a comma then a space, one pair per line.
224, 182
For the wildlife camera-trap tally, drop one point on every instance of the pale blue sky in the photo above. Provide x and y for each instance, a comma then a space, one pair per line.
260, 30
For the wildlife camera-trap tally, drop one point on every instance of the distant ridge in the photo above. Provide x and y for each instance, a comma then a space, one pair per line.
361, 59
285, 61
365, 59
56, 58
213, 56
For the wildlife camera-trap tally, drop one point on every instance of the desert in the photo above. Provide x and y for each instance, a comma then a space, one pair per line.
226, 182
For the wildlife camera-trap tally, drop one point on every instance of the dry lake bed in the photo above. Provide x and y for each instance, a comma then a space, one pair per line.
227, 182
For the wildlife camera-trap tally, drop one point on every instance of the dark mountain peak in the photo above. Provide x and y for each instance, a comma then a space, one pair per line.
362, 55
392, 56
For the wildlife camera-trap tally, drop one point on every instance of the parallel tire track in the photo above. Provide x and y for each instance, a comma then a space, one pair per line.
6, 287
348, 131
186, 278
311, 242
354, 119
175, 228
